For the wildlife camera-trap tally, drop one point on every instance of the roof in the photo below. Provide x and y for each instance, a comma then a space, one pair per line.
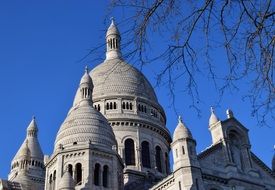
30, 145
181, 131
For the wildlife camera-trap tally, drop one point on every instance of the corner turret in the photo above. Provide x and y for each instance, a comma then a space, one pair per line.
28, 161
185, 158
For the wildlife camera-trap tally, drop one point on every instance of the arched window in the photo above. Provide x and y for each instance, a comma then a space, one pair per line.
70, 169
145, 153
129, 152
158, 158
179, 185
107, 106
235, 149
127, 105
114, 43
114, 105
96, 174
51, 180
105, 176
167, 163
78, 174
131, 106
98, 107
183, 150
54, 179
123, 105
111, 105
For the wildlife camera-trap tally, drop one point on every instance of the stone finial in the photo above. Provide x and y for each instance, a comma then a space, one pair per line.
229, 113
213, 118
112, 20
180, 119
86, 69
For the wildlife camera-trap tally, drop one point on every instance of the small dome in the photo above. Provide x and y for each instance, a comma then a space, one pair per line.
66, 182
112, 30
86, 79
181, 131
213, 118
85, 124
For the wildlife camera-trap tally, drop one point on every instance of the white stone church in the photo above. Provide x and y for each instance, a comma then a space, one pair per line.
115, 138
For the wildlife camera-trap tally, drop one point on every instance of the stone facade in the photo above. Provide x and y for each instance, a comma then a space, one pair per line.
115, 137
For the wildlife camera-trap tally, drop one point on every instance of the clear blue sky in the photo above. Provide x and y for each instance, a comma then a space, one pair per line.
41, 43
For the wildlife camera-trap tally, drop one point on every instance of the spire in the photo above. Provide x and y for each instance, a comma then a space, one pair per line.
86, 86
29, 153
213, 118
32, 128
181, 131
113, 41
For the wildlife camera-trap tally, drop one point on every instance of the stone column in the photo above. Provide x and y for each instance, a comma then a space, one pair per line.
138, 152
103, 107
119, 105
135, 106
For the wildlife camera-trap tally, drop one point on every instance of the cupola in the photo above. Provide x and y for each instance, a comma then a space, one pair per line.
113, 42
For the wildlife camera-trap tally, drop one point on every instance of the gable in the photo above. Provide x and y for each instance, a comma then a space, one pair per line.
263, 169
212, 158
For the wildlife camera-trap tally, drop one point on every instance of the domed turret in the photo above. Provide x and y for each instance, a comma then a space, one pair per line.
181, 131
84, 123
29, 159
31, 142
86, 143
113, 42
213, 118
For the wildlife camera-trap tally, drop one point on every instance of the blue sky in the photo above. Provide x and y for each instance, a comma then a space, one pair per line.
41, 44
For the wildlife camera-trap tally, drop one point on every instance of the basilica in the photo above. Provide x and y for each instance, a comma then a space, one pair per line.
114, 137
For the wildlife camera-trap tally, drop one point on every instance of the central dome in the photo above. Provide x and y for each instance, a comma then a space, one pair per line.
84, 124
114, 77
